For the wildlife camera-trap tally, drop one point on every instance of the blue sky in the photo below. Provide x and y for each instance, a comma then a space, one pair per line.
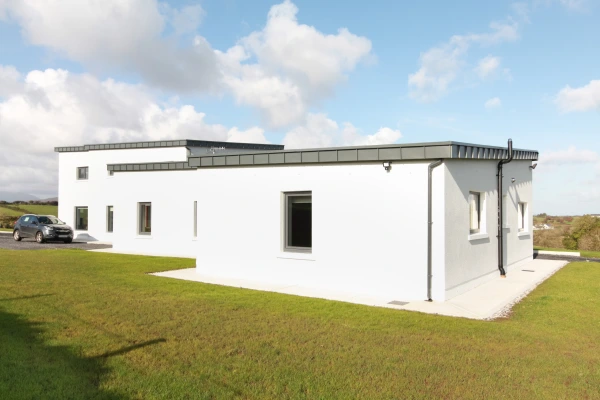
306, 73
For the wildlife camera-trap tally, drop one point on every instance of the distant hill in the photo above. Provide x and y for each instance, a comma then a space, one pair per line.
46, 200
14, 196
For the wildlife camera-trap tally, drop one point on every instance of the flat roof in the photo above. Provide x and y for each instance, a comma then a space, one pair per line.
169, 143
328, 155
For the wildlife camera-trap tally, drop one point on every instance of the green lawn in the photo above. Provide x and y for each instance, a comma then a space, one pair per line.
5, 230
584, 253
76, 324
28, 209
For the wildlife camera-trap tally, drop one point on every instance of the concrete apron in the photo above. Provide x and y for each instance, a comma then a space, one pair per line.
490, 300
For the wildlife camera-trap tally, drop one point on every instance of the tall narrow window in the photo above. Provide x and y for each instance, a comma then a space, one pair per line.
522, 214
475, 211
81, 218
145, 218
109, 218
298, 222
195, 219
82, 173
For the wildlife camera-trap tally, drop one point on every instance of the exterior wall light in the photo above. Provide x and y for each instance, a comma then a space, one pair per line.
513, 180
533, 166
387, 165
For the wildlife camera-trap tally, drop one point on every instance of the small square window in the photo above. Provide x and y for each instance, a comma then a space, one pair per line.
109, 218
82, 173
298, 222
81, 218
145, 215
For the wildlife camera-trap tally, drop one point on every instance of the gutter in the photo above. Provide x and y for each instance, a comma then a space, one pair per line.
500, 235
430, 225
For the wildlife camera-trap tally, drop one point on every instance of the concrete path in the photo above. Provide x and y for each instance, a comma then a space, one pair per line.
488, 301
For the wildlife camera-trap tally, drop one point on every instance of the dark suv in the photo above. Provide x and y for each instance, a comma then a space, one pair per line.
42, 228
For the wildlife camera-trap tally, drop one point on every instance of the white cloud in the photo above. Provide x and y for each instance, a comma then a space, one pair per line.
570, 156
487, 66
441, 65
296, 65
585, 98
494, 102
282, 69
9, 80
320, 131
58, 108
122, 35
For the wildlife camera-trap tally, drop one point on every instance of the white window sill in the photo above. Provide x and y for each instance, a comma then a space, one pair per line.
296, 256
506, 226
143, 237
478, 236
524, 233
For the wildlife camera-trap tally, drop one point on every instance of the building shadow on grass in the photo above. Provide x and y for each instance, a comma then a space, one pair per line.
32, 369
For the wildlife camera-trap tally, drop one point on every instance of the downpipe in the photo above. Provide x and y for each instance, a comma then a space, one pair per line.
500, 236
430, 226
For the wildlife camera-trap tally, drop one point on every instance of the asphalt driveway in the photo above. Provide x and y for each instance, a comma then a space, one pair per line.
7, 242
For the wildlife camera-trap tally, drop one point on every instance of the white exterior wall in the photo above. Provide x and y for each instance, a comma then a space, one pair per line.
369, 231
471, 260
100, 189
369, 227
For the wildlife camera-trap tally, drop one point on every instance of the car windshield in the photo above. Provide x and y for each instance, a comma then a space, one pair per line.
49, 219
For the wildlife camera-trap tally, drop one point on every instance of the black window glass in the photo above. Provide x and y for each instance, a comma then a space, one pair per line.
299, 212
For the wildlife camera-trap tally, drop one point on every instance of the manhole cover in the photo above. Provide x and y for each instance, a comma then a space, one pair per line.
398, 303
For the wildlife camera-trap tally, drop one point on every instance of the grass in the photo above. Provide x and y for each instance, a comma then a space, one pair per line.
76, 324
28, 209
5, 230
584, 253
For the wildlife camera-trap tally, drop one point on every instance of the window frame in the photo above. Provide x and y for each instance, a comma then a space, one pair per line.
87, 173
195, 231
479, 212
77, 226
522, 216
110, 219
287, 223
141, 217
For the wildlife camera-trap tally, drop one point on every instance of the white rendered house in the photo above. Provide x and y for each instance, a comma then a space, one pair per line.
408, 221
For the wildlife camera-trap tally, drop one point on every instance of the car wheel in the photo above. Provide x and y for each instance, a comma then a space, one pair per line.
67, 241
39, 237
17, 235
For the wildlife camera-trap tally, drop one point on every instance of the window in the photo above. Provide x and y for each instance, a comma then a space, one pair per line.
522, 214
109, 218
298, 222
475, 212
195, 219
82, 173
81, 218
145, 227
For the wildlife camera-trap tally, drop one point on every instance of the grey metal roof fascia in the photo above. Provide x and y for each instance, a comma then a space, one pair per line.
450, 145
402, 145
169, 143
404, 152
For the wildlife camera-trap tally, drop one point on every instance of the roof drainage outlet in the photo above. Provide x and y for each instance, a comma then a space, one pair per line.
398, 303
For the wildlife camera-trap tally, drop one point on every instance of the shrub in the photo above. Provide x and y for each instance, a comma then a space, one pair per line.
548, 238
591, 240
